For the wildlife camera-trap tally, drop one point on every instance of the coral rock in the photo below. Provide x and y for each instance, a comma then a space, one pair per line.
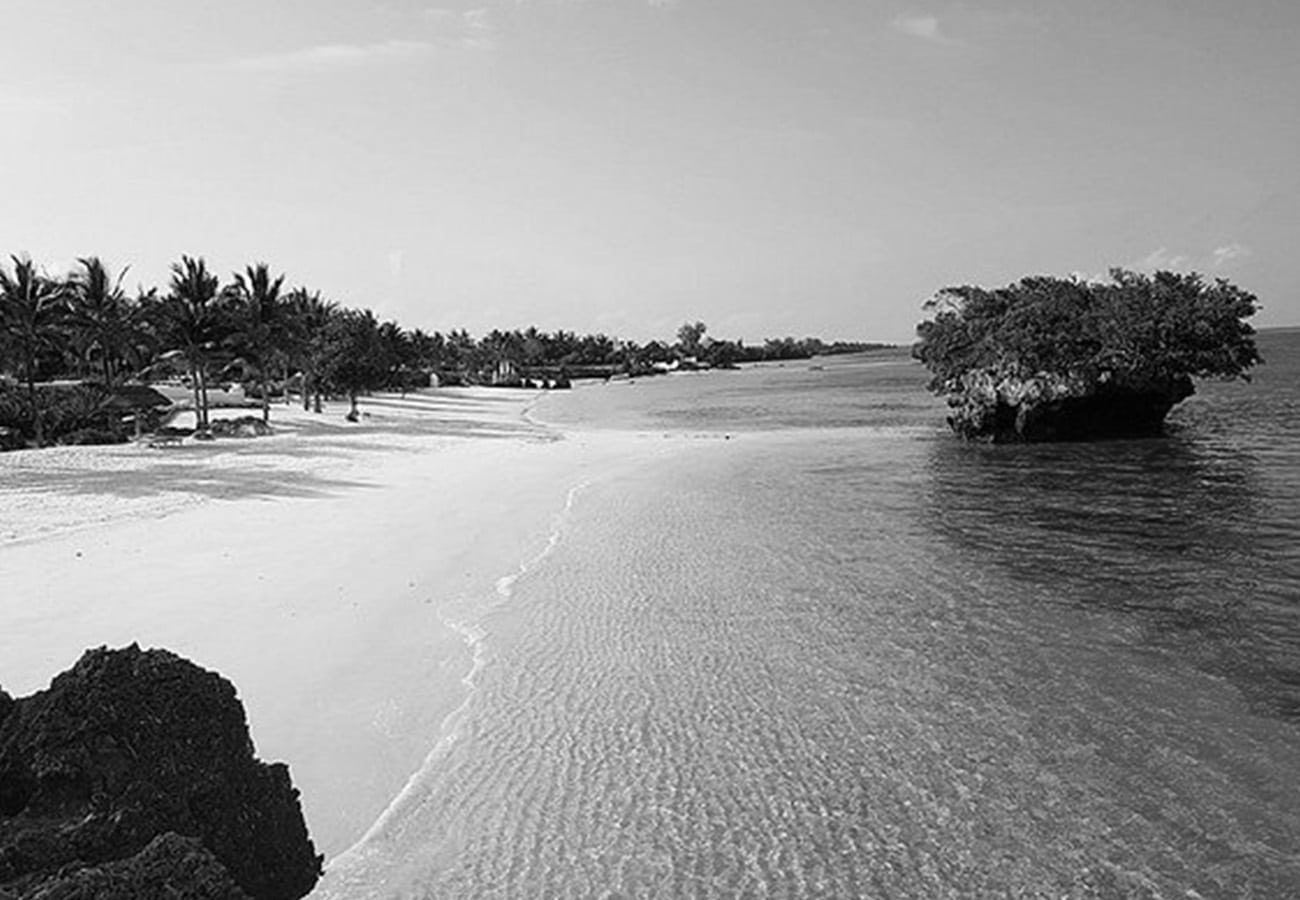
1051, 407
129, 746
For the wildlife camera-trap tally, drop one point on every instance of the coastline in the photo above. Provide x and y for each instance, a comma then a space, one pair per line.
505, 654
333, 573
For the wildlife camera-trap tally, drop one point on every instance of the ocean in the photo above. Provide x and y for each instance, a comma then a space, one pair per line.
825, 649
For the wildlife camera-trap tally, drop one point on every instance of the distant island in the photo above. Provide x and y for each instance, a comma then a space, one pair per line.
75, 350
1052, 358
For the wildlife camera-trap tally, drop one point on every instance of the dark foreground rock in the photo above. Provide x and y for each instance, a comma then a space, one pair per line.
133, 775
1047, 407
170, 866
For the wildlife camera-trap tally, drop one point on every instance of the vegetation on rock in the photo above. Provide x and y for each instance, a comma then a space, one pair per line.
1058, 359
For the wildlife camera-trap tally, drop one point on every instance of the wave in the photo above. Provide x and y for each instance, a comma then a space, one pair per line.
369, 866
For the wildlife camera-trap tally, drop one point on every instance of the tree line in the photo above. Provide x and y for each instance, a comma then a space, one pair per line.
254, 330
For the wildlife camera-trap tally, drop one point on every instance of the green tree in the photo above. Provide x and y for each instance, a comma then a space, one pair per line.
427, 350
32, 316
103, 321
689, 337
723, 354
191, 324
1137, 326
460, 351
1136, 337
258, 332
354, 361
395, 355
308, 322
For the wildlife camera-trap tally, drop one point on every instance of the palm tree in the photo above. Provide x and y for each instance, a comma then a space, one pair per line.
258, 321
354, 360
309, 339
394, 348
426, 353
191, 323
103, 319
32, 312
144, 343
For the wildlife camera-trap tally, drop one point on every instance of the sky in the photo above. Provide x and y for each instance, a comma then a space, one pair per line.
770, 167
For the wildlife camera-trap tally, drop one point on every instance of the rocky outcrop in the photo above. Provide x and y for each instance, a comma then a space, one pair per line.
170, 866
1002, 408
133, 775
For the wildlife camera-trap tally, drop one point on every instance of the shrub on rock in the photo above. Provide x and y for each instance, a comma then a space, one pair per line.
1061, 359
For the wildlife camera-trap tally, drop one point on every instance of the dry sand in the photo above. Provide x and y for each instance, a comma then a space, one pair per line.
321, 569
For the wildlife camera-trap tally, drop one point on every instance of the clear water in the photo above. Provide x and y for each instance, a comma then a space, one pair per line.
826, 650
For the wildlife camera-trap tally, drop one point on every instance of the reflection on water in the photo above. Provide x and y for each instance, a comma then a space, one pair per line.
1178, 532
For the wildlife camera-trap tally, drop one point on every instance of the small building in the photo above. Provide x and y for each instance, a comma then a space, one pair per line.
141, 403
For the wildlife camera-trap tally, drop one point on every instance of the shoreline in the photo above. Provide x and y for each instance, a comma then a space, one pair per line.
332, 572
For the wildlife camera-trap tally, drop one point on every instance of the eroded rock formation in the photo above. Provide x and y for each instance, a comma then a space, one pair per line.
1051, 407
133, 775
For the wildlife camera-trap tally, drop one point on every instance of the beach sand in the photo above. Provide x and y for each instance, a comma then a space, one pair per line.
331, 570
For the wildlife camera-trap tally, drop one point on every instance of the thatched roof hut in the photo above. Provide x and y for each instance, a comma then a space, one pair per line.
132, 397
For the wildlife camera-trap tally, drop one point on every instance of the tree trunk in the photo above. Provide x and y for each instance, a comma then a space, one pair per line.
201, 380
266, 401
38, 425
198, 400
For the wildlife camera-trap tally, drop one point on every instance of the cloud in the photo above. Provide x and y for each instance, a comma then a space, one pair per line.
1161, 259
477, 30
1222, 257
925, 28
1094, 278
395, 265
471, 29
337, 56
1227, 254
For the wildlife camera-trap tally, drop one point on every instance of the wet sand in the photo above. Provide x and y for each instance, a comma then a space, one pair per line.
320, 569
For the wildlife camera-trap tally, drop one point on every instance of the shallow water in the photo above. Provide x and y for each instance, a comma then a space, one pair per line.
822, 649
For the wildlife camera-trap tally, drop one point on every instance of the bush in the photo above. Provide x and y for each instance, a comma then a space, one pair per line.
82, 411
86, 436
1138, 327
244, 426
1056, 359
11, 439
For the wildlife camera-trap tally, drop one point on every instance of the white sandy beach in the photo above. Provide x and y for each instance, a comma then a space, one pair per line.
320, 569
